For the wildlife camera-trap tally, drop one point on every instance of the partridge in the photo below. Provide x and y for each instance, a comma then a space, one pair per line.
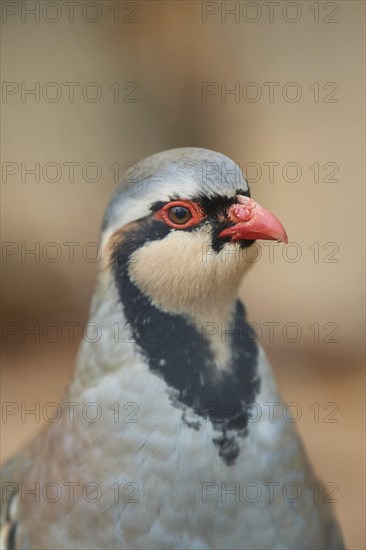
169, 435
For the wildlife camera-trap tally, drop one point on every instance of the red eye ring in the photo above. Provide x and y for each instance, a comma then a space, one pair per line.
197, 214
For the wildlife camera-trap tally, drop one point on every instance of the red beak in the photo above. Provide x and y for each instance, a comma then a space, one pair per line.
252, 221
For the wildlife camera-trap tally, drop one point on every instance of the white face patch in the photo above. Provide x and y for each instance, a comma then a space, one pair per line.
181, 273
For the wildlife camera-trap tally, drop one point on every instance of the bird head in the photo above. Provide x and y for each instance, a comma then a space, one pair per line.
170, 240
175, 228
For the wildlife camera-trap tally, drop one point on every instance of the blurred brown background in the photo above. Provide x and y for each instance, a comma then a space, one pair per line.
297, 69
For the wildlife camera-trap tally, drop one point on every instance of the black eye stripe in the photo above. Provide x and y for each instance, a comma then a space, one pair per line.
210, 205
158, 205
213, 206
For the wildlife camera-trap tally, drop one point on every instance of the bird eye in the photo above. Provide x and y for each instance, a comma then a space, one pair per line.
179, 215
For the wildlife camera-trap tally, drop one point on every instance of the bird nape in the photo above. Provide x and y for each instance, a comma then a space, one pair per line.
183, 448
